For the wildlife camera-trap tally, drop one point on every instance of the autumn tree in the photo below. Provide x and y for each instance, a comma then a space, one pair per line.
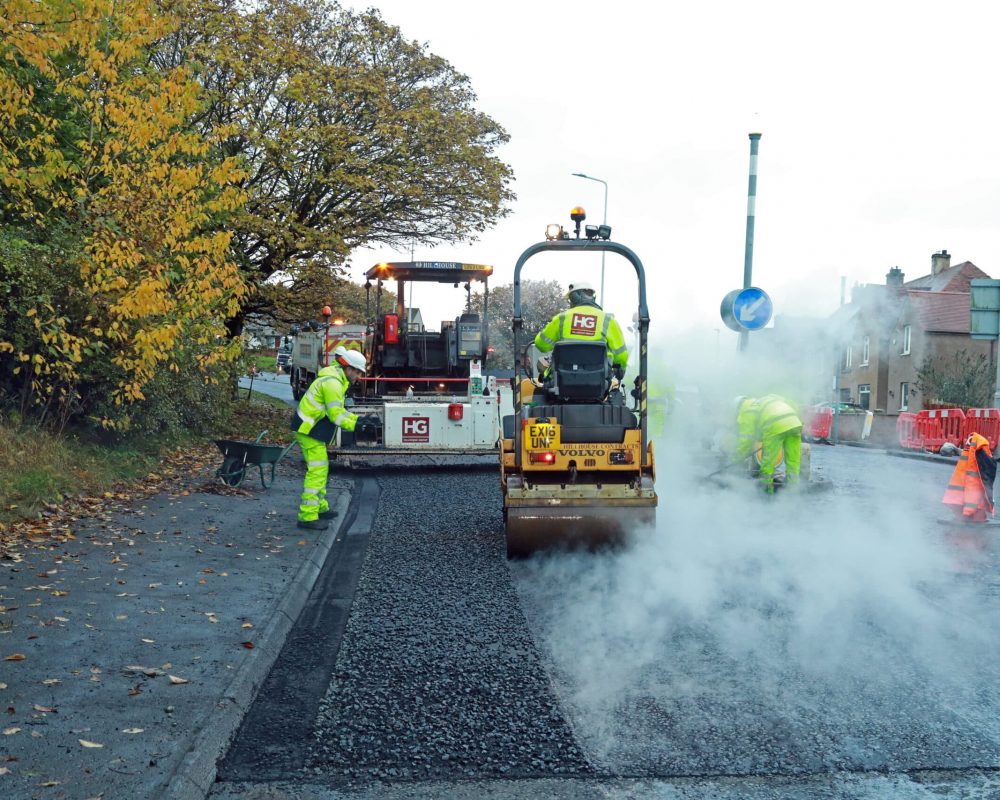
116, 264
540, 301
350, 134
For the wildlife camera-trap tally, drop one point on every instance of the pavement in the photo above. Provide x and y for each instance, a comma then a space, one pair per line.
131, 649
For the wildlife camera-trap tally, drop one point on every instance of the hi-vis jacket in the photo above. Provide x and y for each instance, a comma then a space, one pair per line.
586, 323
321, 410
763, 418
971, 486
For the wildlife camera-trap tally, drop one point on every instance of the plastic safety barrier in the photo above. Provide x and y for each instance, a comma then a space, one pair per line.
985, 422
906, 431
941, 425
817, 423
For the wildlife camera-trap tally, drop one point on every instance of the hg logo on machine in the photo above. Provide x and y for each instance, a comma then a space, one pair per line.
416, 429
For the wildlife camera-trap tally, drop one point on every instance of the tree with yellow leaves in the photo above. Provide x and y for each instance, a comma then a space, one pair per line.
114, 260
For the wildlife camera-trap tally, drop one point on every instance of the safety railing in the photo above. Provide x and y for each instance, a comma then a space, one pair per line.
931, 430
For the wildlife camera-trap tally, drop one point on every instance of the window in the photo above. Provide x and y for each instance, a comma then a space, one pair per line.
847, 357
865, 352
845, 395
904, 393
865, 392
906, 341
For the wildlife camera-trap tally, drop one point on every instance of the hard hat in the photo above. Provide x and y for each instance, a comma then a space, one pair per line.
339, 351
738, 401
352, 358
580, 286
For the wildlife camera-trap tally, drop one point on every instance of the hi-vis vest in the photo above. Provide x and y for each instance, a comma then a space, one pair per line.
586, 323
760, 419
965, 489
321, 409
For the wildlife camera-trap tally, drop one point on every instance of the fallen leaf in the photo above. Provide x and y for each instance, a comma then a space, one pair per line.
3, 685
134, 690
175, 680
16, 657
50, 783
10, 731
85, 743
148, 641
249, 645
4, 771
51, 682
133, 730
44, 709
247, 625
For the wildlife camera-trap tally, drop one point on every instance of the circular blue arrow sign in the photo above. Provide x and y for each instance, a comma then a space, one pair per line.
752, 309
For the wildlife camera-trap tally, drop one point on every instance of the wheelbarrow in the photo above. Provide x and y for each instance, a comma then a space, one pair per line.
238, 456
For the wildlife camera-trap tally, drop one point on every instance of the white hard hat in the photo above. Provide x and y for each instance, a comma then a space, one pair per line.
580, 286
339, 351
352, 358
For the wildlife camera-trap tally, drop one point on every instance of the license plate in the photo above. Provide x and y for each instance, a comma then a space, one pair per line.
543, 436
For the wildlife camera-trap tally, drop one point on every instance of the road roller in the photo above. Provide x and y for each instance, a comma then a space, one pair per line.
576, 462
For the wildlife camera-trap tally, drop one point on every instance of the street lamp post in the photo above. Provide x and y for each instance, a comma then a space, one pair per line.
603, 222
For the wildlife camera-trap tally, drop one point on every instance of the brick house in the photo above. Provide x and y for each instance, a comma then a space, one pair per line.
887, 331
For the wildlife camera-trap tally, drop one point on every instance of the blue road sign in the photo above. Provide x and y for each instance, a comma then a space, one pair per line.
752, 309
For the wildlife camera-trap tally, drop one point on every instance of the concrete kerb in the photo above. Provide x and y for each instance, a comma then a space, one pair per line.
194, 775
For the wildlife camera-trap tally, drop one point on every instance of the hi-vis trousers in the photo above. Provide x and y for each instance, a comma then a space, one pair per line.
313, 502
791, 443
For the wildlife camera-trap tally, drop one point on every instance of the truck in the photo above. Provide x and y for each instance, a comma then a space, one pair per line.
427, 388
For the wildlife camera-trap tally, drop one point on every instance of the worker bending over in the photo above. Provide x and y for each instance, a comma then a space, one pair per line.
584, 321
320, 413
774, 422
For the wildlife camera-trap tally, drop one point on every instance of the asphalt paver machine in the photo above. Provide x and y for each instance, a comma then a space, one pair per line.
577, 467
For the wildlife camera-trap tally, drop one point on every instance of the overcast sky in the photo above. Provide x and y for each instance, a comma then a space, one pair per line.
879, 148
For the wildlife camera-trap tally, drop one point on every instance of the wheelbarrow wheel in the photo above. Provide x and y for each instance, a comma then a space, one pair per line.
232, 471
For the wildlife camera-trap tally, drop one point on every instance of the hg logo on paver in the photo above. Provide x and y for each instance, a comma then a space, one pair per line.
416, 429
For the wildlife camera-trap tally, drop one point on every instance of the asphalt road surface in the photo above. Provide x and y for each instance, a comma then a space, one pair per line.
269, 383
835, 643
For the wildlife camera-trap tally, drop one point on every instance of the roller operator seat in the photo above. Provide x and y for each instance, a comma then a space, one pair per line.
580, 372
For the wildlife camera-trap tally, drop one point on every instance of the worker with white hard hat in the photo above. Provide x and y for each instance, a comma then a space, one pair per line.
584, 321
319, 414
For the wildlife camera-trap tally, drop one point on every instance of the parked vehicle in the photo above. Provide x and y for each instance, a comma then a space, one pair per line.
283, 356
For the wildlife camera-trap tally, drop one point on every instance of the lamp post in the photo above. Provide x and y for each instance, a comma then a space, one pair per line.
603, 222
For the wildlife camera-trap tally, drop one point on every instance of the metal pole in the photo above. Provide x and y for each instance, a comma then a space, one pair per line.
604, 222
996, 390
751, 214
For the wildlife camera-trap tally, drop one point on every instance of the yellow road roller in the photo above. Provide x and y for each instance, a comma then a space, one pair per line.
576, 465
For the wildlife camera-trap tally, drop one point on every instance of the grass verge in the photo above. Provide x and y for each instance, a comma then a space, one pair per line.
41, 470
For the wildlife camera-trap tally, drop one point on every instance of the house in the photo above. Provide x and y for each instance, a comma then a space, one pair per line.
887, 332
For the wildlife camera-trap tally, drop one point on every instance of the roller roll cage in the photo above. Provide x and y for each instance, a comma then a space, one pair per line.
595, 245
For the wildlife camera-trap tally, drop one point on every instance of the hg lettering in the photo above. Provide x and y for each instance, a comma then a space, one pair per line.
585, 324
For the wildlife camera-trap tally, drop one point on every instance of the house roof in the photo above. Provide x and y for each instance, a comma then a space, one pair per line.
941, 312
953, 279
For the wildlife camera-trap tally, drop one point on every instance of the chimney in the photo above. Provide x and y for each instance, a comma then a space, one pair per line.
894, 277
940, 262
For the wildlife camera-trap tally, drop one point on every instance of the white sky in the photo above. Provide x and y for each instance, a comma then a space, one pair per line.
880, 141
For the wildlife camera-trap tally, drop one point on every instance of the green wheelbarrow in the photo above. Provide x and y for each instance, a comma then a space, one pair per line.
238, 457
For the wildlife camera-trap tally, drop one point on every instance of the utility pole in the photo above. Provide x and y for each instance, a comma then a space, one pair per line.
751, 214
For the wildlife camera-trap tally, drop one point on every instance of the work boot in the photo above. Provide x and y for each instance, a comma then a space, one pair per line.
328, 514
313, 524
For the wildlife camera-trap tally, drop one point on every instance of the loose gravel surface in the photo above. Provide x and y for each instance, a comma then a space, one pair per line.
437, 675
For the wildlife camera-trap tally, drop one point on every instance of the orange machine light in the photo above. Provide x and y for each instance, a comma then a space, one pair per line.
577, 214
327, 311
339, 321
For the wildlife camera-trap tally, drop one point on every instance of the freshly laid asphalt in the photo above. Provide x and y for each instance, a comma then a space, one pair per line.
130, 653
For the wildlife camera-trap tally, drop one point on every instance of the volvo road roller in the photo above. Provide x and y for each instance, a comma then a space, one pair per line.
576, 465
